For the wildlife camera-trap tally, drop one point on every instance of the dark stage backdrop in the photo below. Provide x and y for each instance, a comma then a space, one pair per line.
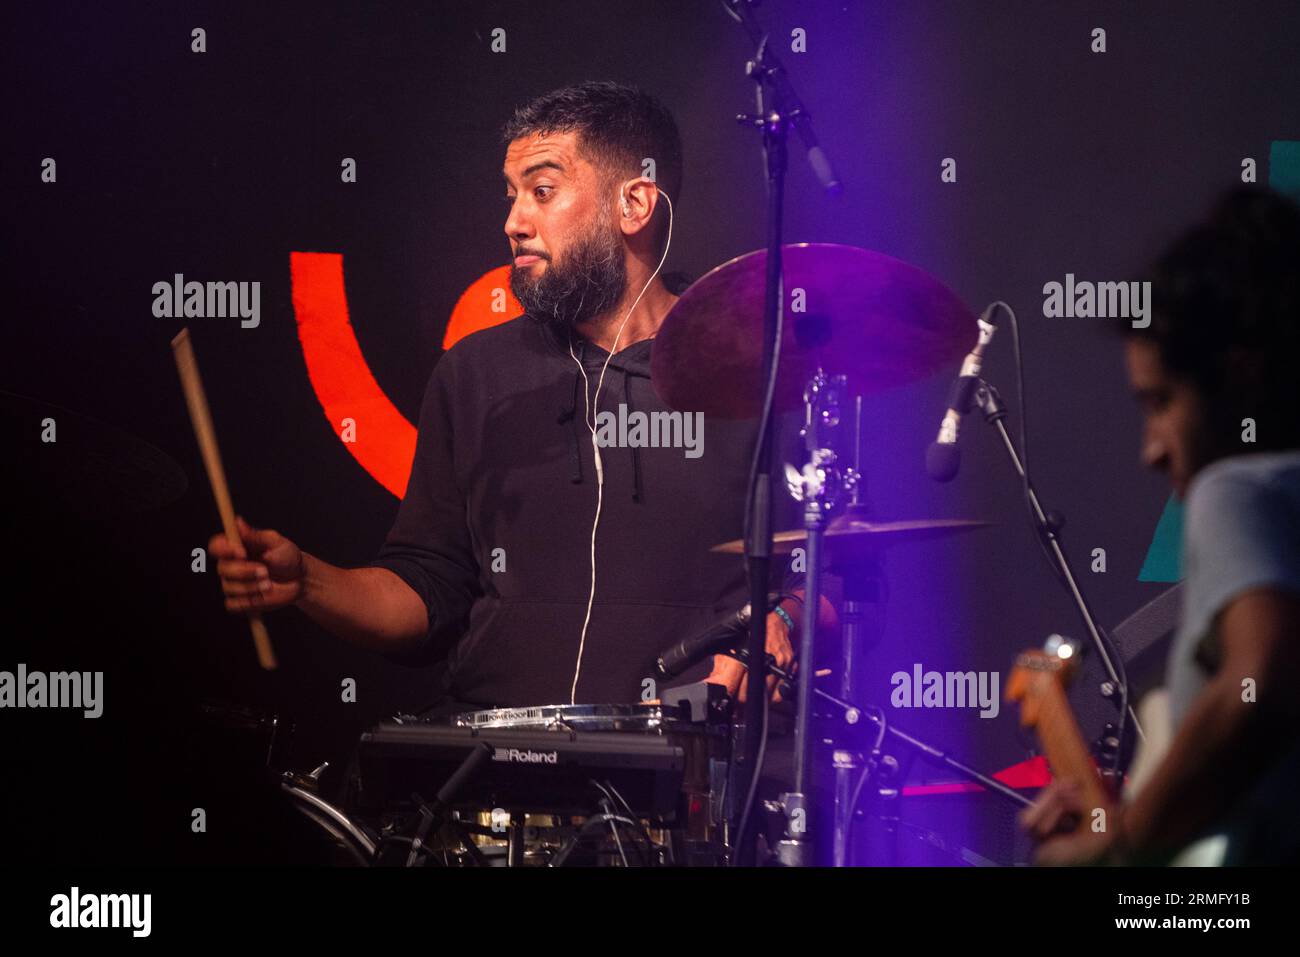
220, 165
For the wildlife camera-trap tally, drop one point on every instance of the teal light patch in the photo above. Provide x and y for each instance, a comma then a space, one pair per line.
1162, 563
1284, 167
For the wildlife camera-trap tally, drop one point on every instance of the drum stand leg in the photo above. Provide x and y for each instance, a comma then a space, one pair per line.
863, 621
515, 841
847, 763
846, 777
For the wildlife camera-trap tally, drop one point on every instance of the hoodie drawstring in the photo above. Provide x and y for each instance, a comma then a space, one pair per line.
569, 414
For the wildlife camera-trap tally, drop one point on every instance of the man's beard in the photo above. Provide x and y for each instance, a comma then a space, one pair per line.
588, 282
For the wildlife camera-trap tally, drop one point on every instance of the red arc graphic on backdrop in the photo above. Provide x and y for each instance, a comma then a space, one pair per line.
384, 440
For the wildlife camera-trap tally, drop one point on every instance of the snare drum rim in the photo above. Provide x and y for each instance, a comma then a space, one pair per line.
577, 717
333, 821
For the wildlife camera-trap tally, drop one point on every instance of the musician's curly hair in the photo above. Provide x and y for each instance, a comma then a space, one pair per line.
1231, 284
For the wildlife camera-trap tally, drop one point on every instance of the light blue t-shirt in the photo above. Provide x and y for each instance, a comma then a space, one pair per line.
1241, 532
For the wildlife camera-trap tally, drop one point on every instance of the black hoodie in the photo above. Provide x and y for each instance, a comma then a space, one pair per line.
494, 533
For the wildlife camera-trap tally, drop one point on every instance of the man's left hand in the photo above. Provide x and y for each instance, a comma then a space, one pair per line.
731, 673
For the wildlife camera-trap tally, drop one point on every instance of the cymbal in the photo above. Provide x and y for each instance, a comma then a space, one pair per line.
875, 319
850, 534
92, 468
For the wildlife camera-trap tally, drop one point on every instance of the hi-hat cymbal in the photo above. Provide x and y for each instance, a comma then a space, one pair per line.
875, 319
848, 533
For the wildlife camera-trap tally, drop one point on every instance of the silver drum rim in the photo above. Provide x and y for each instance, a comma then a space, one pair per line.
578, 717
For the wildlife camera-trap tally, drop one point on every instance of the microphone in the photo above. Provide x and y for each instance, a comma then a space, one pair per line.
715, 638
943, 457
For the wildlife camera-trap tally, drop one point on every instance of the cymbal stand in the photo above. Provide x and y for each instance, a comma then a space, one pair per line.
821, 487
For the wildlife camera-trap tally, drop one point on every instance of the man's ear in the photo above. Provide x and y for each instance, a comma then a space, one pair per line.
638, 199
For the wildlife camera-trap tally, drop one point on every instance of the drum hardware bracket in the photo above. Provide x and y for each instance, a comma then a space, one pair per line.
794, 850
428, 817
309, 781
700, 701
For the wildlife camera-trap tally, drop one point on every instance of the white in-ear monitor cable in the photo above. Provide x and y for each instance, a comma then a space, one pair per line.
590, 408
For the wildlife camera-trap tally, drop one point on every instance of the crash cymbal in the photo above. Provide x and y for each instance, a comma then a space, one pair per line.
849, 533
875, 319
91, 469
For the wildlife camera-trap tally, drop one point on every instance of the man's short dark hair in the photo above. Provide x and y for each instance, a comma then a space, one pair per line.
617, 126
1232, 284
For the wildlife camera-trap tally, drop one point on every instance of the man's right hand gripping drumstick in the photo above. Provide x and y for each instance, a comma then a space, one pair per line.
370, 607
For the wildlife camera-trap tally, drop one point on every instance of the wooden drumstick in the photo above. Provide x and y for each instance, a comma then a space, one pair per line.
192, 386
